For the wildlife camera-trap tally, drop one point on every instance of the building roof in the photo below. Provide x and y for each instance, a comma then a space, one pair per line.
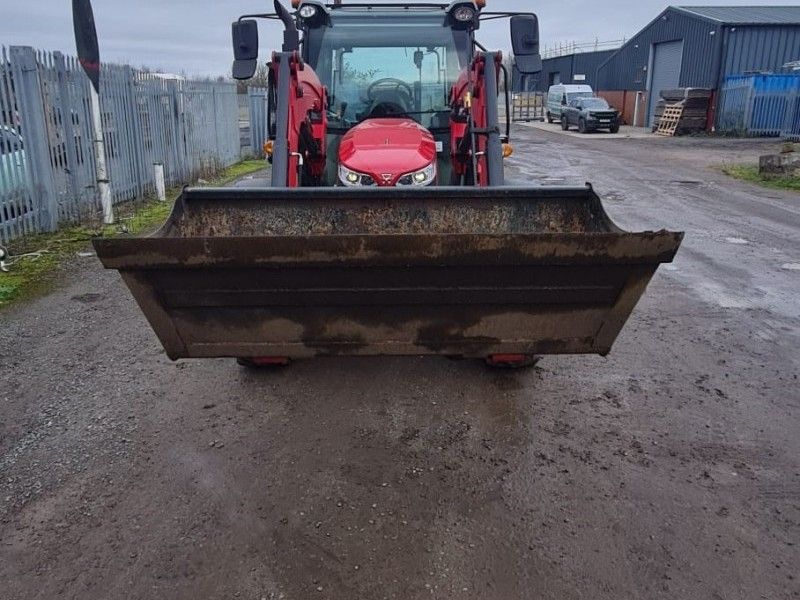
582, 53
747, 15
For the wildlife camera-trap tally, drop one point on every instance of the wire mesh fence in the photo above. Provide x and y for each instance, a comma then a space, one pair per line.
47, 168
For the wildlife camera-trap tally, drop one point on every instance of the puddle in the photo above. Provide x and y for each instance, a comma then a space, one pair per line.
736, 240
613, 197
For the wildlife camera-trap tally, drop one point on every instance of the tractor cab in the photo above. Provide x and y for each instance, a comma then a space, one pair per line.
389, 73
387, 64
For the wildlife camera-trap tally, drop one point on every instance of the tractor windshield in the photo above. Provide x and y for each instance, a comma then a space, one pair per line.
400, 67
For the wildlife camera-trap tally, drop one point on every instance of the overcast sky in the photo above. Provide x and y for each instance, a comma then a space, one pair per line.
194, 37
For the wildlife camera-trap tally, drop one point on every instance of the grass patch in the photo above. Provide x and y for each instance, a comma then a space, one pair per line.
750, 173
37, 260
238, 170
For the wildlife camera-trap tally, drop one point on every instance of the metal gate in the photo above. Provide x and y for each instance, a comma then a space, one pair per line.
527, 106
665, 72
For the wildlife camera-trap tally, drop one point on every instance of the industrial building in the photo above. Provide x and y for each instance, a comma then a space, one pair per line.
697, 46
686, 46
579, 67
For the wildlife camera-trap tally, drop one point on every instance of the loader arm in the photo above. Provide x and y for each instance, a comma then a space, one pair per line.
299, 146
475, 138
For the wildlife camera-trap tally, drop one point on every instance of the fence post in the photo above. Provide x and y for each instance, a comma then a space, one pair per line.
748, 107
33, 125
100, 164
790, 118
179, 132
251, 116
250, 120
217, 150
135, 130
69, 126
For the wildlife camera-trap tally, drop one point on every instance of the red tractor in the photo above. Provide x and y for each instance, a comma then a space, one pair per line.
388, 227
386, 95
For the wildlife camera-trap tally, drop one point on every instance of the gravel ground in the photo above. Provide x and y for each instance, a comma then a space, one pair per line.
670, 469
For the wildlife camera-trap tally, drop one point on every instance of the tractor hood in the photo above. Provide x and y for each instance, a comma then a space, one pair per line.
387, 149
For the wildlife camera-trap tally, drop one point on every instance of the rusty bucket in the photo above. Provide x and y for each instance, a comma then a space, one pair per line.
466, 272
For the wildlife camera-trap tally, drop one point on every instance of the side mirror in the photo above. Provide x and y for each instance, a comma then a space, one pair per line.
525, 42
245, 48
419, 56
86, 40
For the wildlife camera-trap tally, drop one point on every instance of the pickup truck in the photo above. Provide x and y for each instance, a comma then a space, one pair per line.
589, 114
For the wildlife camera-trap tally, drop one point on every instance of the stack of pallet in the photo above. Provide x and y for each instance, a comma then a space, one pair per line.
681, 111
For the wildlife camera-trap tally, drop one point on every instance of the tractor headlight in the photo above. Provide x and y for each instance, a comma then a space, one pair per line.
424, 177
308, 10
353, 178
464, 14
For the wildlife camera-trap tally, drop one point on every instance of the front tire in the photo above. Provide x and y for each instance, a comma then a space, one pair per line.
581, 125
549, 117
614, 129
271, 362
564, 123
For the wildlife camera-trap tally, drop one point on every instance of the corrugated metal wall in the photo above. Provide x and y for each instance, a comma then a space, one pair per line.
587, 63
562, 65
567, 66
760, 48
627, 69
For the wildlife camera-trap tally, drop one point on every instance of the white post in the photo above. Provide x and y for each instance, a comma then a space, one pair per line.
161, 190
636, 109
101, 171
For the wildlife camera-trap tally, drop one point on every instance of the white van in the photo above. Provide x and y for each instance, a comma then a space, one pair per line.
560, 94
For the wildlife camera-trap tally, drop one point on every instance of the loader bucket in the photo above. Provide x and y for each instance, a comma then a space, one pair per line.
466, 272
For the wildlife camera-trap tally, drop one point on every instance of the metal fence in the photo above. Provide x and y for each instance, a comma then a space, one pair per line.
257, 99
760, 105
47, 170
